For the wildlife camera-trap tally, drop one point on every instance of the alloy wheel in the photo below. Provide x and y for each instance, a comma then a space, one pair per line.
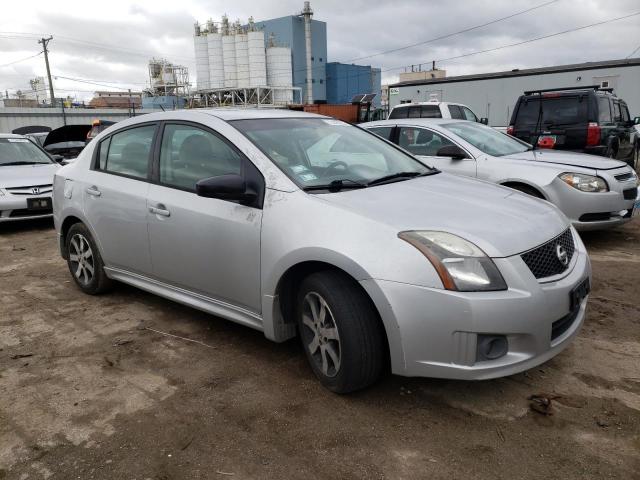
81, 259
320, 334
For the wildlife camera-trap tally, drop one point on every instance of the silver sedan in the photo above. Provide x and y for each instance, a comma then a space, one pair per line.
298, 224
26, 178
593, 192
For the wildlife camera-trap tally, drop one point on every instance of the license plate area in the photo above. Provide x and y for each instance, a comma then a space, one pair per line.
39, 203
578, 293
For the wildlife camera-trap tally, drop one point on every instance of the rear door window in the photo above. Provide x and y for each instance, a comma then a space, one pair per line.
129, 152
430, 111
384, 132
604, 110
563, 110
456, 112
399, 112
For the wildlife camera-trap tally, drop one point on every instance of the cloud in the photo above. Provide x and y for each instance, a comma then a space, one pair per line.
115, 45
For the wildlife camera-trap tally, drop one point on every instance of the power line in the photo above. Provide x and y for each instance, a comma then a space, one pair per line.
21, 60
477, 52
454, 33
91, 83
633, 53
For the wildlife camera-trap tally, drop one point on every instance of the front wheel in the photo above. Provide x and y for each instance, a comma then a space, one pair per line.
84, 261
340, 332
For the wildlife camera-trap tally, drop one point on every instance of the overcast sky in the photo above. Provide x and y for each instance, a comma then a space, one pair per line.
111, 42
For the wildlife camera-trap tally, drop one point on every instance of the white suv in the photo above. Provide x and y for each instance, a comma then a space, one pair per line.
434, 109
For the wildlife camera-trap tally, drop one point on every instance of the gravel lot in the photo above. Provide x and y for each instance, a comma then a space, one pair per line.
95, 387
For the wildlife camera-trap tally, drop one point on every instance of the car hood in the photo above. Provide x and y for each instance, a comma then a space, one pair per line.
27, 175
499, 220
68, 133
568, 158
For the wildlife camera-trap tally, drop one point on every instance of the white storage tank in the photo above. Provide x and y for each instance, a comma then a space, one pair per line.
279, 73
242, 60
202, 59
257, 61
216, 60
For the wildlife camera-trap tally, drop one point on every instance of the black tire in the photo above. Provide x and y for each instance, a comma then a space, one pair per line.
360, 343
80, 265
527, 189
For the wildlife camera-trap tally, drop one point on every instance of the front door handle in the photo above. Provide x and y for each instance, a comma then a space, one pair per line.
161, 210
93, 190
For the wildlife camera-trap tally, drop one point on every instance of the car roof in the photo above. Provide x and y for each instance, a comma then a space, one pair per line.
11, 135
229, 114
416, 121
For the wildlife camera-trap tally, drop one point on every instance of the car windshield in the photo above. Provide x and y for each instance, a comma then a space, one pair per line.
317, 152
487, 139
21, 151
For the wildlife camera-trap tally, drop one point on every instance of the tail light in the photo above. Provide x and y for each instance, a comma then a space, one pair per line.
593, 134
510, 130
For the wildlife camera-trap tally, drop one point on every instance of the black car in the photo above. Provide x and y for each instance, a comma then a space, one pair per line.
583, 119
67, 142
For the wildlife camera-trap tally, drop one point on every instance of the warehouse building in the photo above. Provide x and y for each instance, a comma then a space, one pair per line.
493, 95
344, 81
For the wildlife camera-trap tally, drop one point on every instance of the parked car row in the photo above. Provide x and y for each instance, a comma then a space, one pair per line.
425, 249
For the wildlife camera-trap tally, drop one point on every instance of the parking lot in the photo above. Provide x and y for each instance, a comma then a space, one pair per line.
129, 385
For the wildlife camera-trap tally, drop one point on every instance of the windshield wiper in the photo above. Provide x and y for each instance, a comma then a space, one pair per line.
337, 185
22, 163
397, 176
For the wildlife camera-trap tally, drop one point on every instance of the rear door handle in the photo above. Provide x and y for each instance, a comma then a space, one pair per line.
94, 191
161, 210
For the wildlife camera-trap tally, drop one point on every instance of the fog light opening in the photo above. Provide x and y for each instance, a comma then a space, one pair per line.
492, 347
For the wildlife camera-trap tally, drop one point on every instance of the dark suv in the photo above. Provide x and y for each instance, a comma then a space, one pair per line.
585, 119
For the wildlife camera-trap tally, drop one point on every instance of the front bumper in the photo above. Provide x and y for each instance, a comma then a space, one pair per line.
14, 208
594, 211
438, 329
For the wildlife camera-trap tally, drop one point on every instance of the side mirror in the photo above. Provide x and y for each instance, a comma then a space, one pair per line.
484, 121
57, 158
453, 151
636, 121
226, 187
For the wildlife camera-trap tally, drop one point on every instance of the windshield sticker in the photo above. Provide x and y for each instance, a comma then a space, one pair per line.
308, 177
298, 168
336, 122
18, 140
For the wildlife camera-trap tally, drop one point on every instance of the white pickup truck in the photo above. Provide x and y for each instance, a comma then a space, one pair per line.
434, 109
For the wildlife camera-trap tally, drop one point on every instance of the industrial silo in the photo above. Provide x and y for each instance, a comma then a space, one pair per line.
257, 61
228, 55
216, 60
279, 72
202, 58
242, 57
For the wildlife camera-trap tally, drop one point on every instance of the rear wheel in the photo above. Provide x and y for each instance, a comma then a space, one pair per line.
85, 262
340, 332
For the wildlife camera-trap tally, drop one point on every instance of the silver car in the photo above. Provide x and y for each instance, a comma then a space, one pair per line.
26, 178
594, 192
293, 223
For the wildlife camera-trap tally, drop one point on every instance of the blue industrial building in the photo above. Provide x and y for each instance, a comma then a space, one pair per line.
289, 32
345, 80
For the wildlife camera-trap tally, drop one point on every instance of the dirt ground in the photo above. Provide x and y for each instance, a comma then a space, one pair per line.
94, 388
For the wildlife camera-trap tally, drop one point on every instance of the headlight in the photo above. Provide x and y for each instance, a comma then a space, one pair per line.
584, 183
460, 264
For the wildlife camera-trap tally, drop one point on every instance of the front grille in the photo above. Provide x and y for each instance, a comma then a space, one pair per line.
630, 193
24, 212
28, 190
543, 261
560, 326
623, 177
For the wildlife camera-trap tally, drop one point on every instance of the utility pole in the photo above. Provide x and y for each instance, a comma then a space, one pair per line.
44, 42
